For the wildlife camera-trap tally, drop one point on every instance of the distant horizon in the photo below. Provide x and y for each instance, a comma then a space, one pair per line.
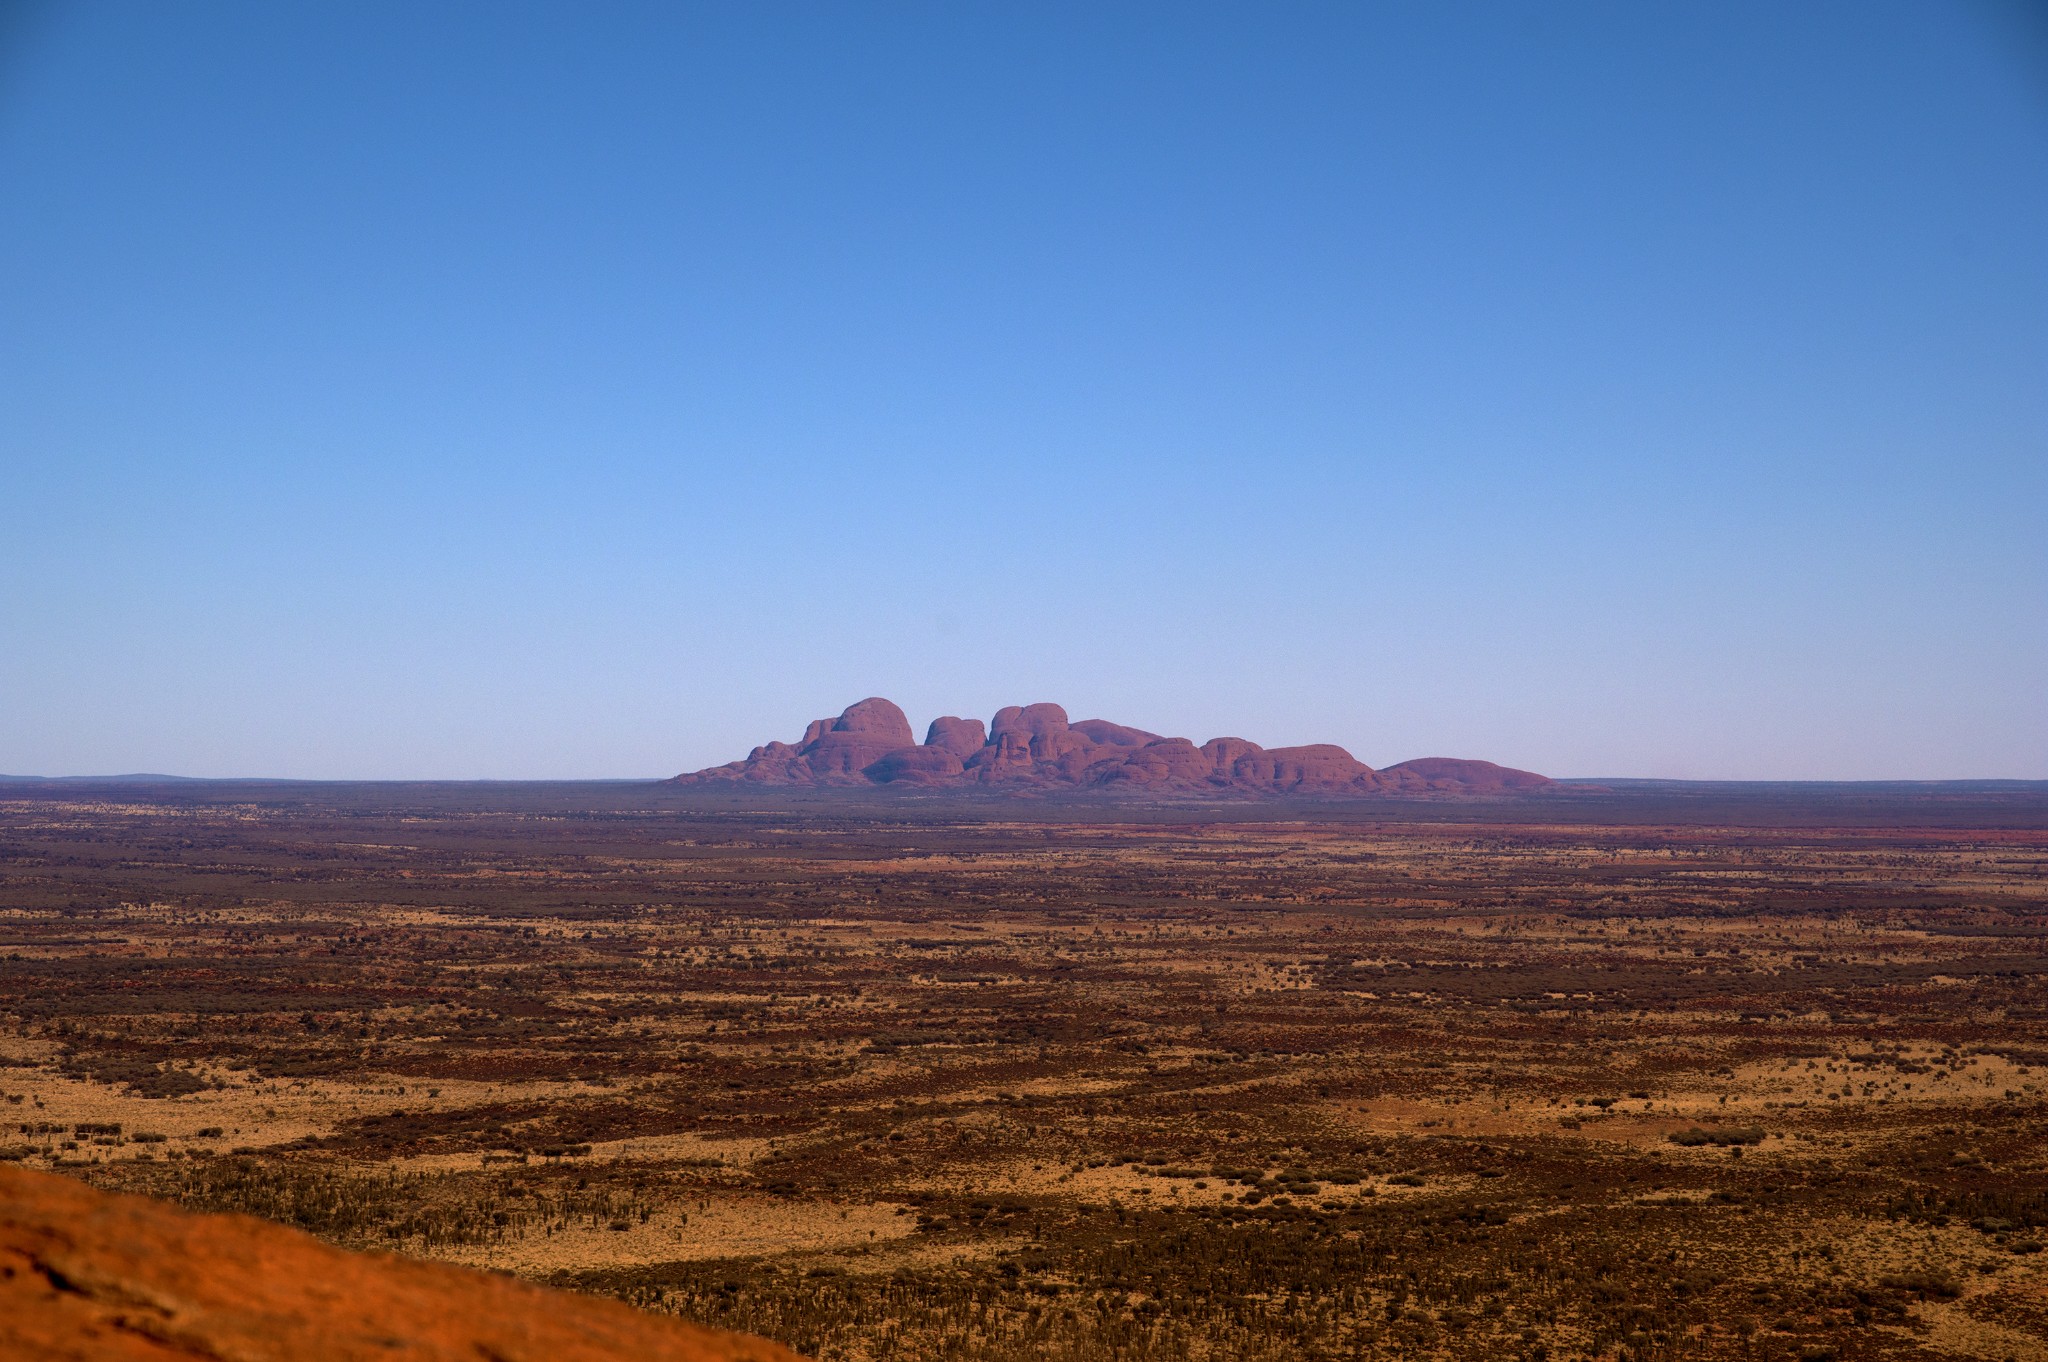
414, 391
791, 731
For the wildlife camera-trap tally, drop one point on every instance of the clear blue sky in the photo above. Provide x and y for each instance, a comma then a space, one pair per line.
585, 390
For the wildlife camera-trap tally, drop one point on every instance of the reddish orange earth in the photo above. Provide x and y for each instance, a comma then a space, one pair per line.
86, 1274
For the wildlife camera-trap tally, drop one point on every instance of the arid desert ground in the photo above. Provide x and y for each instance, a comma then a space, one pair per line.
1643, 1074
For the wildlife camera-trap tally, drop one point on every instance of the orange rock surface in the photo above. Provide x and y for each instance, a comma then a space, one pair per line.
86, 1274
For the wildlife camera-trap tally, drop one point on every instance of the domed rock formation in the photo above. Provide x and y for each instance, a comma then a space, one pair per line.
1450, 773
1113, 735
831, 752
864, 733
86, 1274
1318, 766
1173, 762
962, 737
1036, 747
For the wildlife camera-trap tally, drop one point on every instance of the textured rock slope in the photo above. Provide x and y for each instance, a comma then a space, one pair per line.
1036, 747
89, 1275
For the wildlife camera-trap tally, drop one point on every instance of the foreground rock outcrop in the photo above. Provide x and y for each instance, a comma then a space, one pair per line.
1038, 747
86, 1274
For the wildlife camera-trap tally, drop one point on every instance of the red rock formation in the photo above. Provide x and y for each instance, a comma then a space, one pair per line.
831, 752
1107, 734
864, 733
1452, 774
1172, 762
962, 737
918, 765
1033, 742
1319, 766
88, 1275
1036, 747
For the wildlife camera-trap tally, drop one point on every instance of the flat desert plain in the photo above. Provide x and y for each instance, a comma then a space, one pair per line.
1633, 1075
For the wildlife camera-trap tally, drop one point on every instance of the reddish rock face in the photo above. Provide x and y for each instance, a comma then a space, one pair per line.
962, 737
918, 765
1029, 722
1168, 762
1035, 747
1107, 734
87, 1275
1225, 753
877, 718
1319, 766
832, 752
1452, 774
862, 735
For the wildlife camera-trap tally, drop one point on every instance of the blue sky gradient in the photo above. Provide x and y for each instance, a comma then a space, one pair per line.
531, 391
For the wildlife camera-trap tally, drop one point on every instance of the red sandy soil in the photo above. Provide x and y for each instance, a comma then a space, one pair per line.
86, 1274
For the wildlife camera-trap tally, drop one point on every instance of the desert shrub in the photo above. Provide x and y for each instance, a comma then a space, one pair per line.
1720, 1135
1923, 1283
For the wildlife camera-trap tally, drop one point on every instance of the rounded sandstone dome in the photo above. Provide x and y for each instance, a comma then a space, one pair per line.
876, 717
962, 737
